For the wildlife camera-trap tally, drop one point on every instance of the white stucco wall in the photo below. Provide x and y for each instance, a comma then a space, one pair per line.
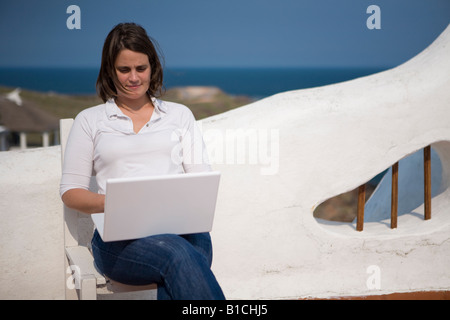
306, 146
31, 229
331, 140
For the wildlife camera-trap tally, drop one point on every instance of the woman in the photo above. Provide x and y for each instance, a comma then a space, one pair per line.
135, 134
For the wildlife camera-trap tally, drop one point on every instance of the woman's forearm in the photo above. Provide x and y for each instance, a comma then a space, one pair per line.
84, 201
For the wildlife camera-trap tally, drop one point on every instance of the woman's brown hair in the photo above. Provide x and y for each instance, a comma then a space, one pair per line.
132, 37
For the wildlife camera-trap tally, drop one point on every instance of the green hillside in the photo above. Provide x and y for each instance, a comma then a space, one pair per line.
203, 101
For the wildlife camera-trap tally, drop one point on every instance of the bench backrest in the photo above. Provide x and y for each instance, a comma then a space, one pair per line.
78, 227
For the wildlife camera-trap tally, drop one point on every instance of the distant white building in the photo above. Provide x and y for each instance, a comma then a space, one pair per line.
20, 117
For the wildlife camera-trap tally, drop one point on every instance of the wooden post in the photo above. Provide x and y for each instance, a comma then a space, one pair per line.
394, 196
361, 203
427, 181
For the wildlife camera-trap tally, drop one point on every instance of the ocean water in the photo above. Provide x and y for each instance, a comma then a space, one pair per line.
253, 82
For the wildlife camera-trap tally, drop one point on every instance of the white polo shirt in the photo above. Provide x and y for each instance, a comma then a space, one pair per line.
102, 143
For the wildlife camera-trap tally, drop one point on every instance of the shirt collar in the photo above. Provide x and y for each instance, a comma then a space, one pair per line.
113, 111
159, 105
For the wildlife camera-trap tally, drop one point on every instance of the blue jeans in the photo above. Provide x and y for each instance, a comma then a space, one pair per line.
179, 265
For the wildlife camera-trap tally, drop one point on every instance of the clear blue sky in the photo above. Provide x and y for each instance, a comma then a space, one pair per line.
237, 33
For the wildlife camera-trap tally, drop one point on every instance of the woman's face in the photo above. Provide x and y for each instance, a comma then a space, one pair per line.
133, 72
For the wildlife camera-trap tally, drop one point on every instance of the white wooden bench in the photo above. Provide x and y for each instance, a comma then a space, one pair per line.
78, 228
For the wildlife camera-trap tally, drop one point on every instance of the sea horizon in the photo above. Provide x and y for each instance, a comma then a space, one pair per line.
254, 82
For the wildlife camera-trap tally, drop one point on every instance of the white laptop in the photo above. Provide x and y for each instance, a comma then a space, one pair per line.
145, 206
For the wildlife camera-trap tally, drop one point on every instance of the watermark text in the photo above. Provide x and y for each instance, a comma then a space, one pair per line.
74, 20
374, 20
374, 280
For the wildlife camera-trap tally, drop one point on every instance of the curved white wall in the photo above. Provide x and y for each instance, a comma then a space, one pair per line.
31, 228
331, 140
